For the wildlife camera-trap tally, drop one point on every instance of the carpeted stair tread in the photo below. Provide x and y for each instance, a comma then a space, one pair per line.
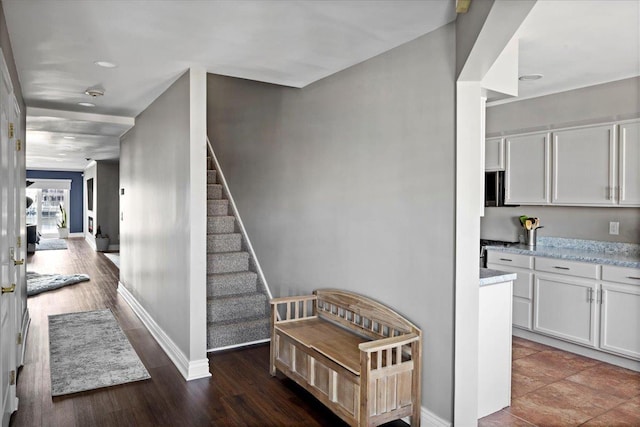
211, 176
214, 191
236, 306
217, 207
221, 224
231, 242
227, 262
231, 283
223, 334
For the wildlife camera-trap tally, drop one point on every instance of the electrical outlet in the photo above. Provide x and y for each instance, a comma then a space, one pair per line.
614, 227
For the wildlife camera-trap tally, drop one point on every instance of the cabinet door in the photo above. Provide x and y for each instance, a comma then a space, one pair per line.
629, 190
522, 291
494, 154
620, 319
584, 166
564, 308
527, 169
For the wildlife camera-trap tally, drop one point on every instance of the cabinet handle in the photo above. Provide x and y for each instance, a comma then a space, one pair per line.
506, 259
562, 268
633, 277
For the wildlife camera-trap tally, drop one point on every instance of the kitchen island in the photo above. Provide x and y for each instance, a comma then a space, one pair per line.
494, 341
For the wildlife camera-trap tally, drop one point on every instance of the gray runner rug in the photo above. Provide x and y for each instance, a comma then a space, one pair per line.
37, 283
51, 245
88, 350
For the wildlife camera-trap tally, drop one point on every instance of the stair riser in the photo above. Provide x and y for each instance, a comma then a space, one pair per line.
224, 243
227, 263
232, 309
238, 333
217, 207
228, 284
211, 177
214, 191
222, 224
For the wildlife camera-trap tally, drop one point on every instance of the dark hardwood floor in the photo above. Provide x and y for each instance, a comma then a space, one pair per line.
240, 391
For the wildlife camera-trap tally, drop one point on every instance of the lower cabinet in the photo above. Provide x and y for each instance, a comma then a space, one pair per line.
620, 319
565, 308
596, 306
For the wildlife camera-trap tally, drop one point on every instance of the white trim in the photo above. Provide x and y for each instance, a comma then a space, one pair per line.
234, 211
26, 321
189, 369
80, 234
46, 183
244, 344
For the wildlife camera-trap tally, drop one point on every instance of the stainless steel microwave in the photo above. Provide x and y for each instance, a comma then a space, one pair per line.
494, 188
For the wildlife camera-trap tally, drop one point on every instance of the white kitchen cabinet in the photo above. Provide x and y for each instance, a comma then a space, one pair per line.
494, 154
565, 308
620, 319
522, 286
584, 166
629, 161
527, 169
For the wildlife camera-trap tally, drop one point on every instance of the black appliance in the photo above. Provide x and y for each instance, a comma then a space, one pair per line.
494, 189
487, 242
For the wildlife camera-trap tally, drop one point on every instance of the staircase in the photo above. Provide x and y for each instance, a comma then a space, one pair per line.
237, 302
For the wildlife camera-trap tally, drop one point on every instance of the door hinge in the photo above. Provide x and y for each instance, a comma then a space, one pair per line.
12, 378
11, 130
19, 241
19, 338
18, 145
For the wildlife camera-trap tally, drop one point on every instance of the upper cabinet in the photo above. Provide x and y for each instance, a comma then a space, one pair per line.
527, 169
494, 154
629, 181
584, 165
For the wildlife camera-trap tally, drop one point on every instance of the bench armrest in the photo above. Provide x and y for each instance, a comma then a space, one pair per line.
386, 343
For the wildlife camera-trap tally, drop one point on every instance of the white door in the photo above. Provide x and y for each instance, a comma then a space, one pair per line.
620, 319
564, 308
20, 228
7, 268
629, 189
527, 169
584, 165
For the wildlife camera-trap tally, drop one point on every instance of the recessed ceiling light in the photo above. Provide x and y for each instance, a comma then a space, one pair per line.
530, 77
87, 104
106, 64
69, 137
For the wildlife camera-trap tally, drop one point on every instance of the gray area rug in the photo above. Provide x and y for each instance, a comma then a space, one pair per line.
38, 283
51, 245
88, 350
114, 258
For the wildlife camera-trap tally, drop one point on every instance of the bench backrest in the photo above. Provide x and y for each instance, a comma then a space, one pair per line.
364, 315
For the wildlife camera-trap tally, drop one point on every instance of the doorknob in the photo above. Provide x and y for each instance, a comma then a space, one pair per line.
9, 289
16, 262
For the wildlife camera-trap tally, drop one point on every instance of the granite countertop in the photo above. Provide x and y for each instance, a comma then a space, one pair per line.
491, 277
610, 253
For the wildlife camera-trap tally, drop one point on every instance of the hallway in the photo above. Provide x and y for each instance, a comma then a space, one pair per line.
240, 392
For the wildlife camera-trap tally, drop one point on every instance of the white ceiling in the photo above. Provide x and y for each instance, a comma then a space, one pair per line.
573, 43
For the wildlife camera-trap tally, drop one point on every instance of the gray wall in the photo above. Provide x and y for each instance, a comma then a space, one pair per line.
108, 200
349, 183
154, 233
617, 100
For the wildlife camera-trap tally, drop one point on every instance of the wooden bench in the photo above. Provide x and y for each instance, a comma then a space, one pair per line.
358, 357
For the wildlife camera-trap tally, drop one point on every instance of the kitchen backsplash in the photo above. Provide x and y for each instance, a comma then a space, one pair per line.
563, 221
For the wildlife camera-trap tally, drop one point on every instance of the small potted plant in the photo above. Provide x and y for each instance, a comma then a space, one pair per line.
102, 241
63, 231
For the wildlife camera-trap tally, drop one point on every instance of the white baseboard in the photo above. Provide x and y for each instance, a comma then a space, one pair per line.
91, 242
26, 321
190, 369
81, 234
429, 419
244, 344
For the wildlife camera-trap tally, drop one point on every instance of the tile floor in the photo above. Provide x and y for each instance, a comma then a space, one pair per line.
551, 387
